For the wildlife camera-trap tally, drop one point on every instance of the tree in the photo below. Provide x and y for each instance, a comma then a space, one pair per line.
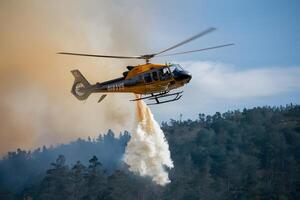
58, 183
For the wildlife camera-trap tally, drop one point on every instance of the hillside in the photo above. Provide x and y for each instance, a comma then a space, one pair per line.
249, 154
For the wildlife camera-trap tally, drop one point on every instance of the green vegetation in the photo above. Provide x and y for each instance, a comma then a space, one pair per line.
253, 154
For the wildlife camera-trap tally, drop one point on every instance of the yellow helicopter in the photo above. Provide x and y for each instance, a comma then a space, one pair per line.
154, 81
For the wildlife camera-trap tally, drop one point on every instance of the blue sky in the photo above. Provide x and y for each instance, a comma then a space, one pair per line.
266, 34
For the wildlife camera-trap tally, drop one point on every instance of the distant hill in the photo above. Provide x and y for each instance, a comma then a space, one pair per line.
249, 154
20, 168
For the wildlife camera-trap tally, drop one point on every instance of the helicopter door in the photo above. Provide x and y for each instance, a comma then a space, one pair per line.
155, 76
147, 78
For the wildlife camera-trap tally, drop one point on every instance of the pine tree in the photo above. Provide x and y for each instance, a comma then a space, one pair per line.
57, 184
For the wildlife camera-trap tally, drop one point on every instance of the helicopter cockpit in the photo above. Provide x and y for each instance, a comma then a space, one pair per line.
179, 73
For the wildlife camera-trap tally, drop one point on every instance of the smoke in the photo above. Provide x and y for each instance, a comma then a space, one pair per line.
147, 152
36, 106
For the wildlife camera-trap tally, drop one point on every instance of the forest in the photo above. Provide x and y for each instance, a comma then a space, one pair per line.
248, 154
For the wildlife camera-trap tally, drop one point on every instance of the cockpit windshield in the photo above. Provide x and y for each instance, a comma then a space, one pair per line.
175, 68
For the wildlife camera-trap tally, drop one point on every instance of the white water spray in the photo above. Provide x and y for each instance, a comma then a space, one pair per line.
147, 152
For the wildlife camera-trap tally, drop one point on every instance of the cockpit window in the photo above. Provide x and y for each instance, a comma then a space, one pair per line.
175, 68
164, 73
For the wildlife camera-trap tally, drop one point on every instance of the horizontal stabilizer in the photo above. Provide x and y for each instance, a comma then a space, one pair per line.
102, 97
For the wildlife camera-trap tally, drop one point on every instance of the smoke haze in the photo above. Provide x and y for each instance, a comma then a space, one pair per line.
36, 105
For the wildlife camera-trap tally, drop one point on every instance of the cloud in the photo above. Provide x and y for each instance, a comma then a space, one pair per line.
217, 80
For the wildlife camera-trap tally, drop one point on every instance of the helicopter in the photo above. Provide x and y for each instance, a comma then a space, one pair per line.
152, 82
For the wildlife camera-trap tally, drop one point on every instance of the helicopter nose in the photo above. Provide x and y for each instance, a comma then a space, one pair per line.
188, 76
184, 75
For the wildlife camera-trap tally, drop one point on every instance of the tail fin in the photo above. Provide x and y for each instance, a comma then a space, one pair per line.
80, 88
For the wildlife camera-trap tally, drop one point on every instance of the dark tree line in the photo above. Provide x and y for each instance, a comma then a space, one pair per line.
253, 154
20, 168
91, 182
249, 154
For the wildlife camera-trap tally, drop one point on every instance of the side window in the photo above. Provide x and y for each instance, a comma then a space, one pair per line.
155, 76
164, 74
147, 78
140, 79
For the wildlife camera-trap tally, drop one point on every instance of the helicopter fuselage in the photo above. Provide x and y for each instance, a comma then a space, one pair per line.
154, 79
142, 79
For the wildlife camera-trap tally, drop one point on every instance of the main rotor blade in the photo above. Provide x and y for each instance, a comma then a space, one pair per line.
209, 30
192, 51
103, 56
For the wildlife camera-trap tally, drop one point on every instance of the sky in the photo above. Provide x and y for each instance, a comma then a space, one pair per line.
37, 108
261, 69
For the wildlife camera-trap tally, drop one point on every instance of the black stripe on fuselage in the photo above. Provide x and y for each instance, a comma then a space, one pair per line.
111, 81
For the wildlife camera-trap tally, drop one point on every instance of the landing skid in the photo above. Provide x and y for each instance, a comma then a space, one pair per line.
157, 97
